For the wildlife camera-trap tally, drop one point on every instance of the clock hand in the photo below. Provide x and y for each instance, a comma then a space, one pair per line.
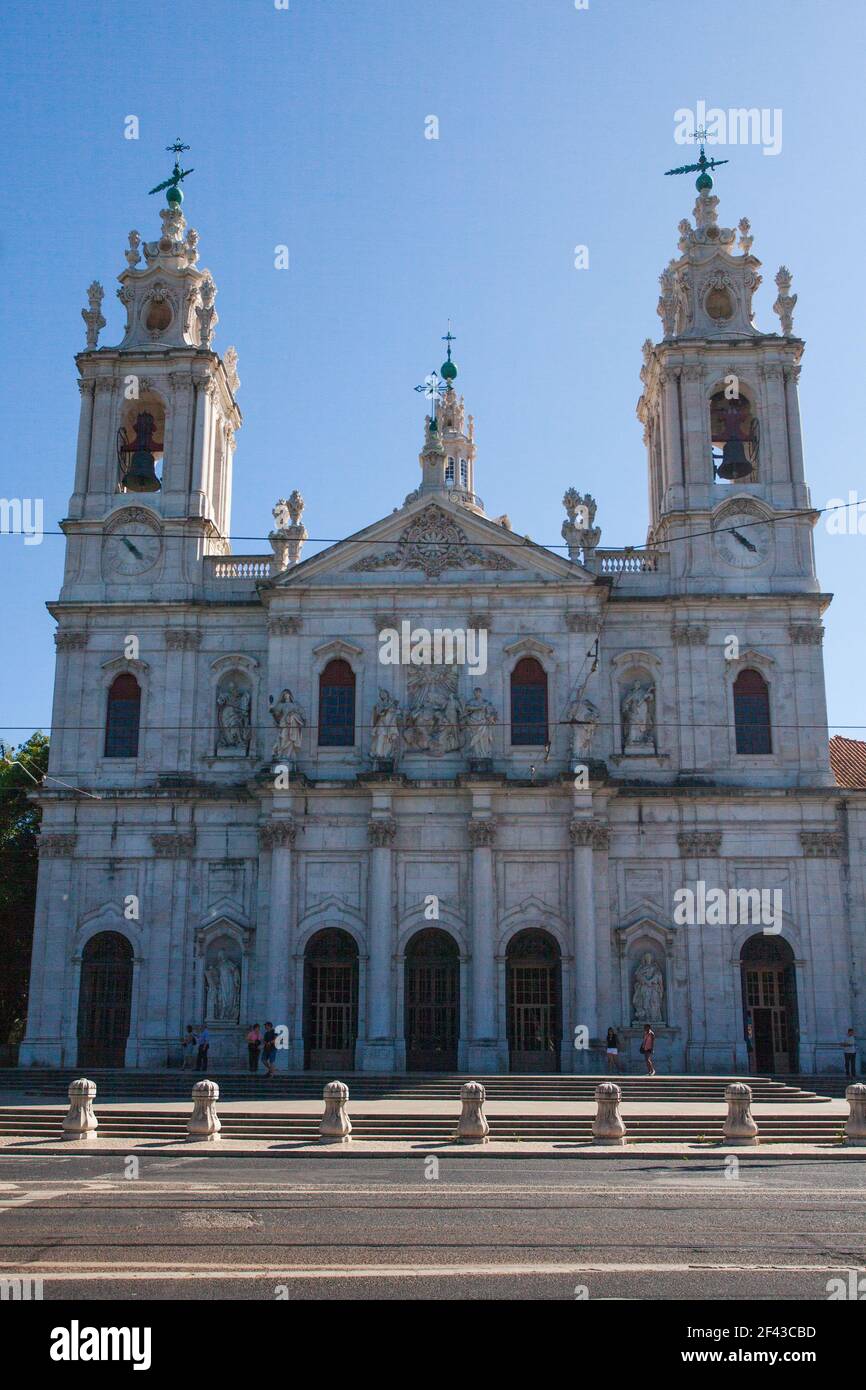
128, 543
743, 541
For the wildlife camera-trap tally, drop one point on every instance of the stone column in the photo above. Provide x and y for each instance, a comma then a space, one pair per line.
378, 1052
483, 1044
278, 837
584, 834
50, 978
82, 457
795, 436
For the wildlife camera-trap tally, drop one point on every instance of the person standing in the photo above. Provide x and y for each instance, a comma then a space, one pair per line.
254, 1046
203, 1047
647, 1047
188, 1043
849, 1047
269, 1051
613, 1062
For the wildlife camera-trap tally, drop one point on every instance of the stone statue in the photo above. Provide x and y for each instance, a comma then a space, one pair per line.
434, 723
583, 716
385, 740
290, 721
224, 989
233, 718
480, 721
649, 990
637, 712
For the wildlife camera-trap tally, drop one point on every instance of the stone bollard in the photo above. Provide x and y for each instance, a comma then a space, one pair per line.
608, 1127
79, 1122
336, 1127
204, 1122
855, 1129
472, 1127
739, 1127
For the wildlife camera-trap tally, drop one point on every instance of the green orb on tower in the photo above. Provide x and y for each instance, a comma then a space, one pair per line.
174, 197
703, 183
448, 370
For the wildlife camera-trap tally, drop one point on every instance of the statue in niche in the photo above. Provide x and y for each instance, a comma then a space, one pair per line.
480, 721
290, 721
637, 713
583, 716
223, 989
435, 722
234, 722
648, 991
385, 740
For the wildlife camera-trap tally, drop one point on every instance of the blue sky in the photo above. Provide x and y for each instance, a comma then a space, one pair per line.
307, 129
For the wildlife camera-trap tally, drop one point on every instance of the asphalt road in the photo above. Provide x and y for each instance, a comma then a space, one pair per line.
94, 1227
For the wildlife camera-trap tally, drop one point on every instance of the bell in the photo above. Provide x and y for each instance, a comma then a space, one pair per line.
734, 463
140, 476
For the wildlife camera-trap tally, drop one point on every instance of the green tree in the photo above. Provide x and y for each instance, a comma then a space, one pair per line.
19, 860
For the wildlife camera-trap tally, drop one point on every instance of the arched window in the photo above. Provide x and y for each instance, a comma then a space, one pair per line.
464, 473
529, 703
337, 705
449, 471
752, 713
122, 717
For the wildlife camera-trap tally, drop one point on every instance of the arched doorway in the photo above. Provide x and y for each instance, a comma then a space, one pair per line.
770, 1004
330, 1001
104, 1000
432, 1001
533, 984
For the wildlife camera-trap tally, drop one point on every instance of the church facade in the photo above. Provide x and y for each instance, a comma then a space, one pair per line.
438, 797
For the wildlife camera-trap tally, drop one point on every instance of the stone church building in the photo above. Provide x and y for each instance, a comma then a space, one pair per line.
438, 797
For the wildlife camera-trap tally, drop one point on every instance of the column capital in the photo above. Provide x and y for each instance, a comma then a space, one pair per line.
382, 831
276, 833
482, 833
57, 846
173, 845
587, 831
699, 844
822, 844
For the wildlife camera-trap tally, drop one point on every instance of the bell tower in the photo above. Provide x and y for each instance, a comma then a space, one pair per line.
448, 457
721, 417
158, 411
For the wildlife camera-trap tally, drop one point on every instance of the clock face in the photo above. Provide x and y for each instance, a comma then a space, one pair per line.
742, 542
131, 550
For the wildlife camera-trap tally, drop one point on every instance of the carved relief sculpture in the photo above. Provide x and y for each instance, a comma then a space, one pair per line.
648, 992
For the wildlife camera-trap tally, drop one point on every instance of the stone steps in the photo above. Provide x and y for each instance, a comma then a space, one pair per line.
166, 1085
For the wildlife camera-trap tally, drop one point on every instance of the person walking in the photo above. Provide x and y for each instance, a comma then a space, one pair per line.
203, 1046
188, 1043
254, 1046
269, 1051
849, 1047
613, 1062
647, 1047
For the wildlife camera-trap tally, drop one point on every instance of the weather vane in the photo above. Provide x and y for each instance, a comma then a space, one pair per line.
439, 383
704, 180
175, 193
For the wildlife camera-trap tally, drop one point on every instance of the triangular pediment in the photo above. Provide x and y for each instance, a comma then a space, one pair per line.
437, 543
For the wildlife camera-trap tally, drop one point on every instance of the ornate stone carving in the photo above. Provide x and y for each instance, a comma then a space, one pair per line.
57, 846
435, 720
807, 634
335, 1127
290, 721
744, 227
133, 255
822, 844
70, 640
93, 314
173, 845
482, 833
784, 305
608, 1126
230, 362
648, 991
223, 978
277, 833
80, 1122
479, 723
381, 831
586, 831
472, 1127
699, 844
433, 543
739, 1126
206, 312
583, 716
285, 627
479, 622
183, 639
204, 1125
104, 385
690, 635
579, 531
387, 719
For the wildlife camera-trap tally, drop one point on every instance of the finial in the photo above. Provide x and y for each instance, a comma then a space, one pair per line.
93, 314
704, 181
448, 368
174, 196
784, 305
